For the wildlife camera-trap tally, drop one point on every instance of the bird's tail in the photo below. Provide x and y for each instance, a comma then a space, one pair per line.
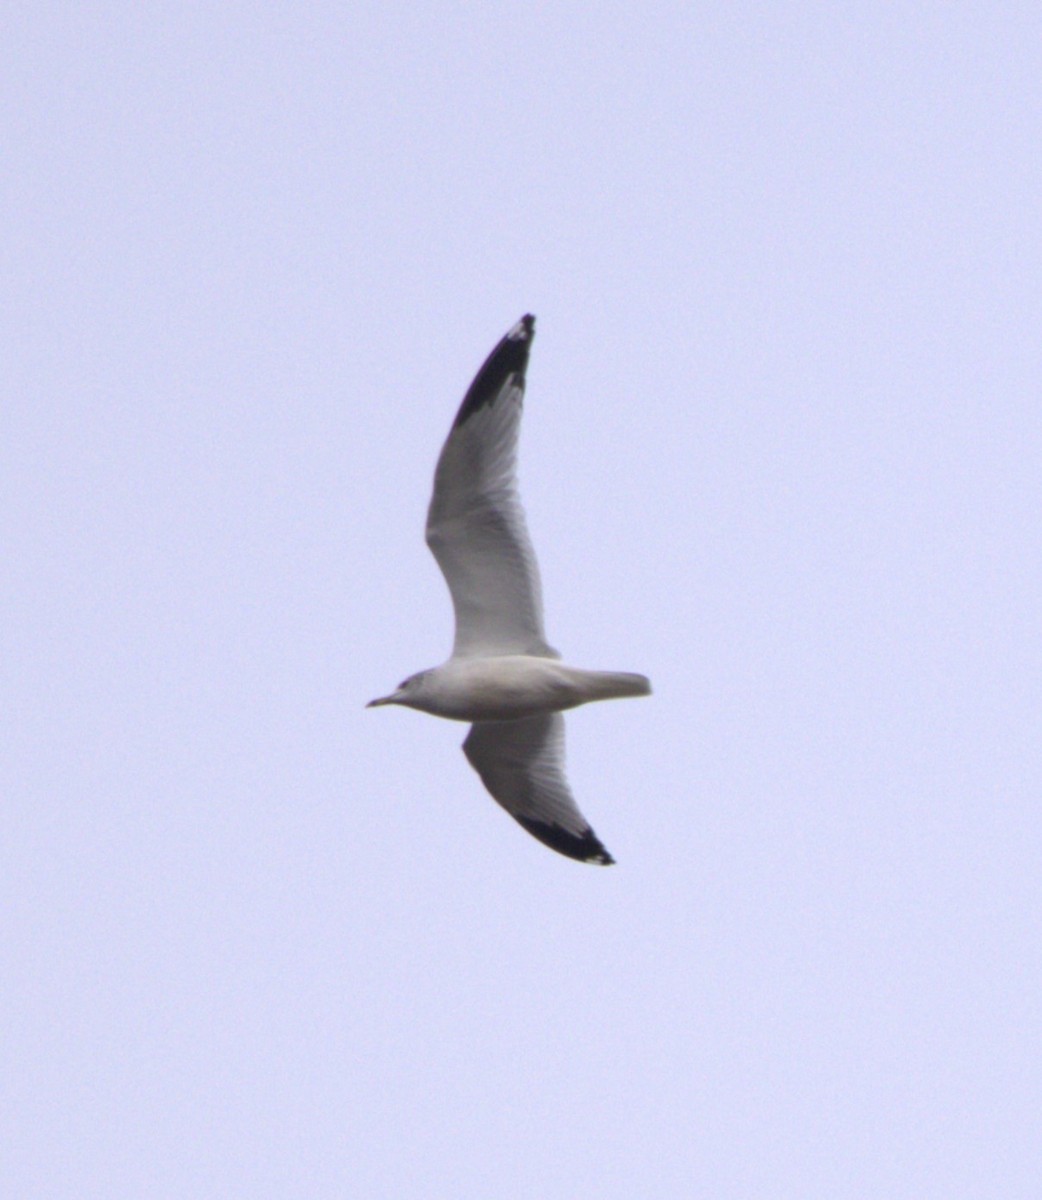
615, 685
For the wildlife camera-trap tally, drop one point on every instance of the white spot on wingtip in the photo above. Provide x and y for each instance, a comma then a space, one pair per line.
522, 331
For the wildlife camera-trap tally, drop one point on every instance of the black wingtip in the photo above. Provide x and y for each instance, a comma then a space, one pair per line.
510, 357
585, 847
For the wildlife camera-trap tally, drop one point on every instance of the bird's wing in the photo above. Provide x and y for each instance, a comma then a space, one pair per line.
522, 765
476, 525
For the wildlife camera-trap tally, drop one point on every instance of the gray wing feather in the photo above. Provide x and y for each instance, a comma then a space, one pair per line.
475, 524
521, 763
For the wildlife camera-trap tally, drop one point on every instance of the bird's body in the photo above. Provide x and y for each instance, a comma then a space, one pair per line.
503, 675
509, 686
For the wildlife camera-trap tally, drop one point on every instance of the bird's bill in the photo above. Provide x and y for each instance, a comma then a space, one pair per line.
391, 699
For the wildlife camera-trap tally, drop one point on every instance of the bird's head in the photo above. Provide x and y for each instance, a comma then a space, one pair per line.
409, 692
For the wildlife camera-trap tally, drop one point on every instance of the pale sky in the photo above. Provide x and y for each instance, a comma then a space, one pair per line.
781, 452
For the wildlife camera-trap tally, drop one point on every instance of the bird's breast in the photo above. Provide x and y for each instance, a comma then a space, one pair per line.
504, 688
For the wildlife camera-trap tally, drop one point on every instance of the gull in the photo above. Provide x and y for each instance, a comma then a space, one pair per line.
503, 676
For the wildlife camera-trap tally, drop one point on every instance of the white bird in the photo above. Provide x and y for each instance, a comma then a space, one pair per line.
503, 676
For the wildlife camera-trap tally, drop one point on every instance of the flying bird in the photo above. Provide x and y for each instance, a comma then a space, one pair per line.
503, 676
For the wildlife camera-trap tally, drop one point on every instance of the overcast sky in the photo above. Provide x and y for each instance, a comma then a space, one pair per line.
781, 452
